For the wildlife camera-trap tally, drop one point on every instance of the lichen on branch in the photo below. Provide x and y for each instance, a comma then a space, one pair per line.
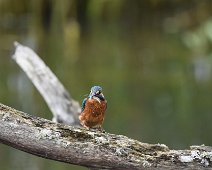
93, 149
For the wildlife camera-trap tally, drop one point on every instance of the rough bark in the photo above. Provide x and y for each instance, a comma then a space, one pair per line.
64, 108
96, 150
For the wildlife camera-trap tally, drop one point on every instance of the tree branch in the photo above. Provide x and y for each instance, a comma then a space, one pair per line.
64, 108
78, 146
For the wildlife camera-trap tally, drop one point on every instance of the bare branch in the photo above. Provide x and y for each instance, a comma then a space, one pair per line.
64, 108
93, 149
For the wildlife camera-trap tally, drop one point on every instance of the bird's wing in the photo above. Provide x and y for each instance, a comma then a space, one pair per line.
83, 103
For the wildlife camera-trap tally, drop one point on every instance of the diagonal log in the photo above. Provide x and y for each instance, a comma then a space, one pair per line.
96, 150
63, 107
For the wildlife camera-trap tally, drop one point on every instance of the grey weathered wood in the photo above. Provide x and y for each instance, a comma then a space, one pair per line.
64, 108
96, 150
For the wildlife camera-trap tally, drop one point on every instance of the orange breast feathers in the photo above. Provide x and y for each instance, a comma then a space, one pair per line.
93, 114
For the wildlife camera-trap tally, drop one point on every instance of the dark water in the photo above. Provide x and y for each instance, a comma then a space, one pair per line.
153, 61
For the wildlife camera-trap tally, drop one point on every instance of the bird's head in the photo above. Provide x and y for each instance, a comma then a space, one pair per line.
96, 93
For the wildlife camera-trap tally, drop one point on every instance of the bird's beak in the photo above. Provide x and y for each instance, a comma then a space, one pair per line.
93, 95
102, 95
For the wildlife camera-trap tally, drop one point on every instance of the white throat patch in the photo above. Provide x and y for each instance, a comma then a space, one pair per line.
96, 98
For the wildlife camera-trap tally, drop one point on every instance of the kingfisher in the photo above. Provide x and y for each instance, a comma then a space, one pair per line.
93, 109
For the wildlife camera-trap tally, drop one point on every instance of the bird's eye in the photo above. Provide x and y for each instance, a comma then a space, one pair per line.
98, 92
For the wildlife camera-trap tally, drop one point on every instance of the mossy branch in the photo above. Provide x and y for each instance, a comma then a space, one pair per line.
97, 150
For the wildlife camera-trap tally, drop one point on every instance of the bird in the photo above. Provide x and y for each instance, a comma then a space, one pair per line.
93, 109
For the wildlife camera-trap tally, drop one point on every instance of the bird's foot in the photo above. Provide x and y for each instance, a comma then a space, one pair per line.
96, 129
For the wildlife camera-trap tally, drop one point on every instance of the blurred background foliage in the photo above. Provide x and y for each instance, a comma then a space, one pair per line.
153, 59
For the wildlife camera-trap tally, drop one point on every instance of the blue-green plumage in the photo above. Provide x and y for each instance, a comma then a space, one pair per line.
93, 109
83, 104
95, 91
